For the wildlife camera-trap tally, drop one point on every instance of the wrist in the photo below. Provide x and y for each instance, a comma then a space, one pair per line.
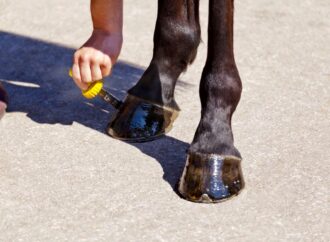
106, 41
115, 37
107, 32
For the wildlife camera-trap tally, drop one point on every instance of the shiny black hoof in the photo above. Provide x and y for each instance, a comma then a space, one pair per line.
210, 178
139, 120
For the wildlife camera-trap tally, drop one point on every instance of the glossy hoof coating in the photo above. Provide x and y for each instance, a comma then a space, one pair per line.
138, 120
210, 178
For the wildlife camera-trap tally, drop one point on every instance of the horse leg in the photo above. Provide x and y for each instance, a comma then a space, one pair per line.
150, 108
213, 171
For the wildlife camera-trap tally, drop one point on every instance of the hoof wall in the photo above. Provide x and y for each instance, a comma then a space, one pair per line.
140, 120
210, 178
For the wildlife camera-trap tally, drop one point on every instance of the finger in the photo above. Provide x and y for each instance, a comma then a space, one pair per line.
96, 72
76, 57
85, 72
76, 77
106, 66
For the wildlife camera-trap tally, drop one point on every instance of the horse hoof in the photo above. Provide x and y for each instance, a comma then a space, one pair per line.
139, 120
210, 178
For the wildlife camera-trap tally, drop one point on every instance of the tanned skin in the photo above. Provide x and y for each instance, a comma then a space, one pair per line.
95, 59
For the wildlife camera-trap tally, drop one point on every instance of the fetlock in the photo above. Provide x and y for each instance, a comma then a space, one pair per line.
213, 168
175, 48
150, 108
213, 138
220, 94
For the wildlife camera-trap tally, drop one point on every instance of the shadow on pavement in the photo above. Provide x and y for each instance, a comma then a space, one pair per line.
35, 75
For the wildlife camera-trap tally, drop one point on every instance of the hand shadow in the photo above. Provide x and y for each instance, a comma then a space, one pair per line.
35, 75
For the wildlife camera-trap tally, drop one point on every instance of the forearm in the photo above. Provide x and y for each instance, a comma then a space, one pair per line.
107, 15
95, 59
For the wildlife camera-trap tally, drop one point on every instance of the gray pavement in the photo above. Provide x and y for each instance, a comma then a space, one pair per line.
63, 179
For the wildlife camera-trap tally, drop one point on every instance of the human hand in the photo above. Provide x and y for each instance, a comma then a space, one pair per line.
95, 59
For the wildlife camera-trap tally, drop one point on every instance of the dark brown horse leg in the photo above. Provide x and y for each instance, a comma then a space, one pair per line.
176, 38
213, 171
3, 101
150, 108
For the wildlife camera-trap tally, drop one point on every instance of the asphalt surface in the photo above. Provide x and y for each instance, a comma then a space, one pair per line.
63, 179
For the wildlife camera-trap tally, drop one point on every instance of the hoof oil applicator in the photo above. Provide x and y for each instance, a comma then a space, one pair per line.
96, 89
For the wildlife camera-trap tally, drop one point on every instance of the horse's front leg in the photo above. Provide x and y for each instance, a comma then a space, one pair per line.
150, 108
213, 171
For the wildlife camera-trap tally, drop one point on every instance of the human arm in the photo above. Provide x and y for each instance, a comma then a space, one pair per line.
95, 59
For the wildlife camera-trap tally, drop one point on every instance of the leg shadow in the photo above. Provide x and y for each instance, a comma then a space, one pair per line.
171, 155
35, 75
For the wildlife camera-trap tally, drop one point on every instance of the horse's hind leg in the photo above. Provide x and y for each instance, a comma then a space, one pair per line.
213, 171
150, 108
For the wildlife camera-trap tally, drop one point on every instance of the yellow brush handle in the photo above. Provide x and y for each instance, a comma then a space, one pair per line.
93, 90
